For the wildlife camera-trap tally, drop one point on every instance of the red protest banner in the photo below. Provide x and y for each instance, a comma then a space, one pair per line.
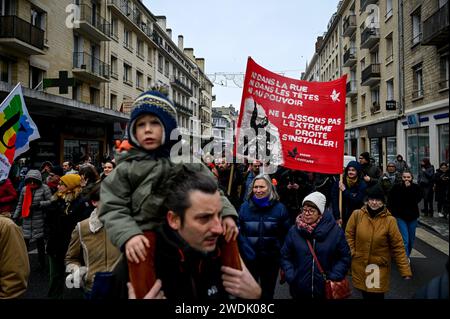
293, 123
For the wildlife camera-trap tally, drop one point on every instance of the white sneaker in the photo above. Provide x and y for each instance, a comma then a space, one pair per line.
441, 215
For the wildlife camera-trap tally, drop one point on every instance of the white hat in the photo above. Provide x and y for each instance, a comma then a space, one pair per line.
317, 199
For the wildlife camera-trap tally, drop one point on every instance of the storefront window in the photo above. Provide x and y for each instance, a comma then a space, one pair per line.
443, 143
391, 148
418, 147
375, 147
74, 150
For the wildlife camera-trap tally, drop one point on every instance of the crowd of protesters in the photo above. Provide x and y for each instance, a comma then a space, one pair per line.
96, 224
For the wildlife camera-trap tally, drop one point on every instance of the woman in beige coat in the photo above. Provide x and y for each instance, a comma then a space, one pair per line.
373, 236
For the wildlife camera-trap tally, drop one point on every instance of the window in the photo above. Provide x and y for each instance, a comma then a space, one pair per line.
160, 63
94, 96
127, 39
127, 74
363, 64
375, 94
416, 27
76, 92
114, 29
443, 143
388, 9
417, 81
443, 80
7, 7
36, 76
150, 56
166, 68
363, 105
113, 102
390, 90
391, 148
139, 80
149, 82
418, 147
5, 71
374, 57
140, 49
442, 3
389, 49
114, 72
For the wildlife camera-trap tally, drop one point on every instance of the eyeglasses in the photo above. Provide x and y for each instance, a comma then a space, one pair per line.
309, 210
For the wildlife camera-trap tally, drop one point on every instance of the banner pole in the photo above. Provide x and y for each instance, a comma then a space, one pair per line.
230, 180
340, 196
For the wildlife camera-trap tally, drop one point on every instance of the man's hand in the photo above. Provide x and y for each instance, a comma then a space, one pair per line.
366, 178
154, 293
135, 248
230, 229
407, 183
240, 283
341, 186
339, 221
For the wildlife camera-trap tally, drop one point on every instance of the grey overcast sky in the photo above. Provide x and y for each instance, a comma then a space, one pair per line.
278, 35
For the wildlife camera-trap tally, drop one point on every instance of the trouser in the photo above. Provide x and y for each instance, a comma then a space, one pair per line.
408, 231
265, 271
40, 243
427, 200
57, 274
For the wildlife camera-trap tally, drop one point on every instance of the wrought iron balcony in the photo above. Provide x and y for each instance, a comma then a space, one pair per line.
90, 68
180, 85
349, 57
351, 88
93, 25
183, 109
369, 37
349, 25
21, 35
436, 27
371, 75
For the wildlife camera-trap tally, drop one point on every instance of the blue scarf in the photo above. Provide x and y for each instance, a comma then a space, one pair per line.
261, 202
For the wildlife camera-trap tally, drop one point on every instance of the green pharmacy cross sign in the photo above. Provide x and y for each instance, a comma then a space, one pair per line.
63, 82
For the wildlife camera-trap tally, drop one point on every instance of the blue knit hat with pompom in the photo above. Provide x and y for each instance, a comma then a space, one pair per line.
155, 103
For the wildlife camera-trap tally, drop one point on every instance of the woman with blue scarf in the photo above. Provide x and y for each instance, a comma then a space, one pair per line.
264, 222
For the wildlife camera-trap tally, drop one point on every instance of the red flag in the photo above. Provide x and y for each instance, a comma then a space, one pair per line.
293, 123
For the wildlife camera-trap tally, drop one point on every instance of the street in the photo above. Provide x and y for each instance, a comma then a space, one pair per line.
427, 260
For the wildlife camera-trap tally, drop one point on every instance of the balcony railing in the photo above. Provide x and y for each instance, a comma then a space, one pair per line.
183, 109
371, 74
351, 88
436, 27
349, 25
369, 37
15, 27
89, 63
177, 82
349, 57
95, 19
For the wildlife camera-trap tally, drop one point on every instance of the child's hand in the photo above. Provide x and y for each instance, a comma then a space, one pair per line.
135, 248
230, 230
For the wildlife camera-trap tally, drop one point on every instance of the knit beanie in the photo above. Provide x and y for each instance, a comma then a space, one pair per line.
375, 192
158, 104
71, 180
318, 199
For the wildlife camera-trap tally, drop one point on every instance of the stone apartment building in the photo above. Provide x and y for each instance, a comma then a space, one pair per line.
82, 63
376, 53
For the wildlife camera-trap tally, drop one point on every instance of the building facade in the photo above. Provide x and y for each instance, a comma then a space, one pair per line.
391, 107
82, 63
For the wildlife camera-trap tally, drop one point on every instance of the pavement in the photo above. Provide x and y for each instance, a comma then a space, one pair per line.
435, 223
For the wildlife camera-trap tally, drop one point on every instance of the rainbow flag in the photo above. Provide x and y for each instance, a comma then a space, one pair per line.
17, 129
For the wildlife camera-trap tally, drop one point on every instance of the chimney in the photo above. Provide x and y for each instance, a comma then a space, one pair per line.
169, 32
180, 42
200, 63
161, 21
190, 53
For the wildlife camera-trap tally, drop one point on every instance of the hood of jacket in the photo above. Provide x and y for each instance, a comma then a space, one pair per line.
34, 174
